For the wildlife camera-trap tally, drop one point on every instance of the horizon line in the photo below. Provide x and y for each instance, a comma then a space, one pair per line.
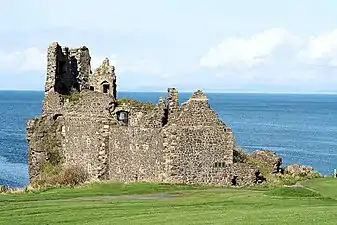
188, 91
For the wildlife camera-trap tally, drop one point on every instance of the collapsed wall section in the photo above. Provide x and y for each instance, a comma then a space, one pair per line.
67, 69
45, 143
196, 142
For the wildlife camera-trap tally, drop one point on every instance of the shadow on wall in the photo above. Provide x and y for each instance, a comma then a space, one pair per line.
63, 82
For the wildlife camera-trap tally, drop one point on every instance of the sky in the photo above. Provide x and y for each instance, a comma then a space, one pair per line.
216, 45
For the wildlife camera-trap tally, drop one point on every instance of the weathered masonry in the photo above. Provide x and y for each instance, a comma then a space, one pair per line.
84, 124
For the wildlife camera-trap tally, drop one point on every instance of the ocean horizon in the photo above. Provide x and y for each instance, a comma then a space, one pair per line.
300, 127
190, 92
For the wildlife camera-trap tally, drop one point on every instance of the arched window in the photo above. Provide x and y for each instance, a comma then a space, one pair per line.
123, 116
56, 116
105, 87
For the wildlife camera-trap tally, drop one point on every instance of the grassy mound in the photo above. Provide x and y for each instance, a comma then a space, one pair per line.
325, 186
293, 192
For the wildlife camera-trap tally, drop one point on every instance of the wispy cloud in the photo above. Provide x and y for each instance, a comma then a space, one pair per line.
247, 51
30, 59
320, 49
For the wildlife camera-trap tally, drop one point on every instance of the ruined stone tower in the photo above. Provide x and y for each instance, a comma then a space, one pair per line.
67, 69
70, 69
84, 125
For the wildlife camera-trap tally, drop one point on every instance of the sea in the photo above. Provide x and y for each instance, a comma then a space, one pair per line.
301, 128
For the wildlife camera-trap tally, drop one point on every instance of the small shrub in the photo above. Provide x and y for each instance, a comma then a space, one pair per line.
72, 176
239, 155
73, 96
48, 169
52, 176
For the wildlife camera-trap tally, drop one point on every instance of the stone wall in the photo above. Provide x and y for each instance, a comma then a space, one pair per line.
195, 142
86, 144
58, 77
172, 105
135, 154
80, 67
86, 130
45, 141
237, 174
52, 56
136, 147
52, 103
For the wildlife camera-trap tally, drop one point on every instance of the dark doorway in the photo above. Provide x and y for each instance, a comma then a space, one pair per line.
106, 88
92, 88
234, 180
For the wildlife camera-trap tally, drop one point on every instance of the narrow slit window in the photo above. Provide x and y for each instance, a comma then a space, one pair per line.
219, 164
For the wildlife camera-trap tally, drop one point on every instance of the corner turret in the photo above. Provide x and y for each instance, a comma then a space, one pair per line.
104, 79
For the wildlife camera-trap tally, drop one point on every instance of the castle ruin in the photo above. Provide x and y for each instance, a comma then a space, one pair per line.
83, 123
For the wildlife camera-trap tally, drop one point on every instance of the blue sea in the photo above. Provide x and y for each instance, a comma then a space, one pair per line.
300, 128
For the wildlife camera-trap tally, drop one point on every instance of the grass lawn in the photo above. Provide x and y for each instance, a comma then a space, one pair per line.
315, 203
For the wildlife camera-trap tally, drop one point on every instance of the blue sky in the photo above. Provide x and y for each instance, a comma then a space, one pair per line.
214, 45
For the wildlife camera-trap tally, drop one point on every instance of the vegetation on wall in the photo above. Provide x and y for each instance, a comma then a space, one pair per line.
73, 96
147, 106
52, 172
51, 143
56, 175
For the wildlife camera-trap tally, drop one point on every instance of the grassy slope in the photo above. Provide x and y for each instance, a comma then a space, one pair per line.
221, 206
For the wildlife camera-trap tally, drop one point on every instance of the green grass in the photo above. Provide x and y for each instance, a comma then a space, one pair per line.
293, 192
327, 187
314, 203
73, 96
147, 106
96, 189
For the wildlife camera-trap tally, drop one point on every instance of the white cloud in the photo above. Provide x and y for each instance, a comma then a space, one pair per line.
250, 51
321, 49
31, 59
141, 66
